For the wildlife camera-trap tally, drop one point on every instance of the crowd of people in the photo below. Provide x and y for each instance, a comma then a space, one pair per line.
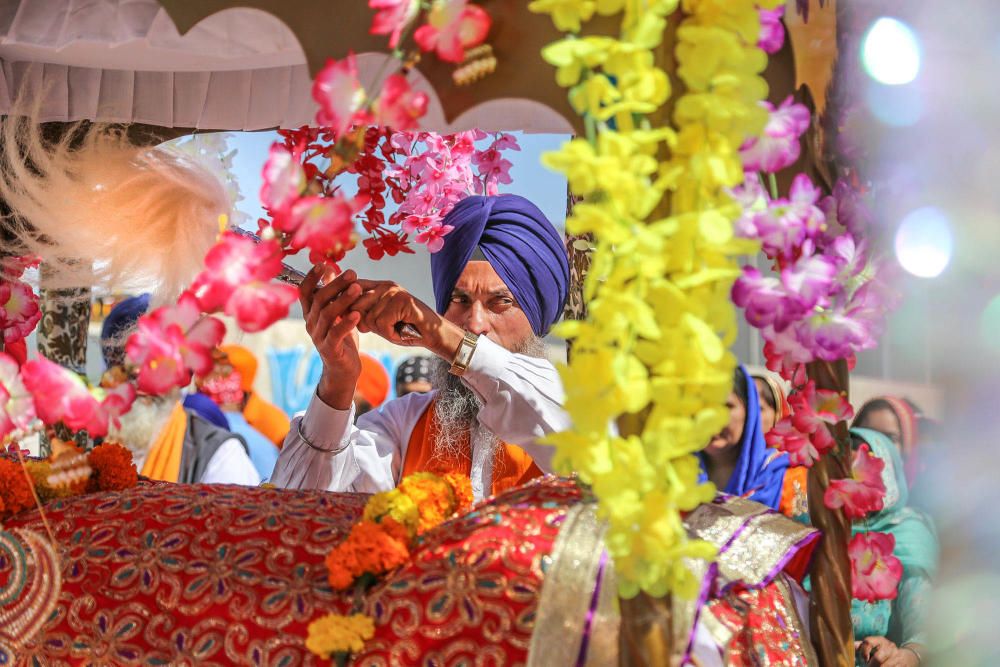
482, 395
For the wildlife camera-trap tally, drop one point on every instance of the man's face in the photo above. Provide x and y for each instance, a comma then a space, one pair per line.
483, 305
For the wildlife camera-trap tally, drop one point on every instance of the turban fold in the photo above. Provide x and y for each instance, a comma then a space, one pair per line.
122, 318
244, 362
521, 245
373, 383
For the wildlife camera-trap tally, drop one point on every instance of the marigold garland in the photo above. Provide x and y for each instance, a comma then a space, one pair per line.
659, 313
108, 467
381, 542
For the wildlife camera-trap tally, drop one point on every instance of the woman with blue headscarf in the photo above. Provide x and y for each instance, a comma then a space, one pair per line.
736, 459
890, 632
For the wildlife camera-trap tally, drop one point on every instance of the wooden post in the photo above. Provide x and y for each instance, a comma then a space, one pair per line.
830, 607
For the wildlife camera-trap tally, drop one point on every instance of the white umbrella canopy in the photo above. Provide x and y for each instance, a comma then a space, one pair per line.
239, 68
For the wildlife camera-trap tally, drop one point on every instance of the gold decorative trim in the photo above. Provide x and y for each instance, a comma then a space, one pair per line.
567, 592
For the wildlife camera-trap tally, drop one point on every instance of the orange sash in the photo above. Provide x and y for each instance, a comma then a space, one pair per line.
512, 467
163, 462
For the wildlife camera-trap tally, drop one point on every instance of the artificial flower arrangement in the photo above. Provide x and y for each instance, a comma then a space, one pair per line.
826, 300
390, 527
652, 353
68, 472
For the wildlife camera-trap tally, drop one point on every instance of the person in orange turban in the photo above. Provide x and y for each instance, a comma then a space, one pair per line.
267, 418
373, 385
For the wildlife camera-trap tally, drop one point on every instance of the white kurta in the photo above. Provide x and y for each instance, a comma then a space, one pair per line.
522, 401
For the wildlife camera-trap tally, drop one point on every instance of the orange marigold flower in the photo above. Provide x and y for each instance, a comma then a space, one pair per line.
377, 550
433, 497
113, 469
461, 487
395, 529
15, 492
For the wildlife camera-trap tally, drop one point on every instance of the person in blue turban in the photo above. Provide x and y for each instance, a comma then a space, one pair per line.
501, 280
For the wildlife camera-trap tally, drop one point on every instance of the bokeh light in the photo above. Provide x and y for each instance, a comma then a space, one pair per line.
890, 52
898, 106
924, 242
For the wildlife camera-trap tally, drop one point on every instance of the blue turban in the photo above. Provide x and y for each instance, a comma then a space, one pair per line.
119, 321
520, 244
205, 407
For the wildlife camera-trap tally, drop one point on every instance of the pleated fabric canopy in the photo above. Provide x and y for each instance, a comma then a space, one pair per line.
214, 65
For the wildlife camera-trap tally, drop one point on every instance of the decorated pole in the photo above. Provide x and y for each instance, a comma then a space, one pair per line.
830, 609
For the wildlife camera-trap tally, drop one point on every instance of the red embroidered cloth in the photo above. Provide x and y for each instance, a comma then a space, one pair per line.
169, 574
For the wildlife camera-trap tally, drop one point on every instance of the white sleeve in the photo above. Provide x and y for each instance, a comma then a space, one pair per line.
522, 398
366, 458
230, 465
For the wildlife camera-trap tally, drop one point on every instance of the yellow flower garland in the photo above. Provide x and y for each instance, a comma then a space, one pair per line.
660, 320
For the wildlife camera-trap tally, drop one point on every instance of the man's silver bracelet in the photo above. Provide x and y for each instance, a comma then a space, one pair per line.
303, 438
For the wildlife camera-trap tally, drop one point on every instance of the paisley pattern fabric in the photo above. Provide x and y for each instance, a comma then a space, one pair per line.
170, 574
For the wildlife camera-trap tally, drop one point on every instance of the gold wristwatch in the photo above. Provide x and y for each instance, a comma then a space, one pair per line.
463, 357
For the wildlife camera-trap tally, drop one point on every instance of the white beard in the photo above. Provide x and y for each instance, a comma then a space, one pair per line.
456, 413
141, 425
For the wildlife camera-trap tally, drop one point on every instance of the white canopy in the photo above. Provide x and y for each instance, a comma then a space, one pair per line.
238, 69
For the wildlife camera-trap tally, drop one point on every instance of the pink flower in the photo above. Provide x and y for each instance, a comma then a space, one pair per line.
258, 305
779, 361
19, 310
847, 208
326, 227
17, 406
764, 299
433, 237
452, 26
392, 18
816, 409
399, 106
786, 438
12, 268
116, 402
862, 492
788, 223
238, 279
172, 343
838, 334
875, 571
61, 396
340, 96
284, 179
772, 33
778, 147
809, 280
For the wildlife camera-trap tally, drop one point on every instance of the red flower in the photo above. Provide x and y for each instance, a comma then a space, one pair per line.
340, 96
861, 493
875, 571
452, 26
19, 311
392, 18
386, 244
61, 396
786, 438
171, 343
398, 105
326, 226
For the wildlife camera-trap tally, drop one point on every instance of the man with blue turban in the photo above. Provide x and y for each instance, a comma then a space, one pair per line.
500, 282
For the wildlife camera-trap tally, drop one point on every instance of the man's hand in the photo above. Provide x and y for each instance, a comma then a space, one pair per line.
331, 325
384, 304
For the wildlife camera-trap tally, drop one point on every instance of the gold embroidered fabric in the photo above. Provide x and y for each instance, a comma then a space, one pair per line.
574, 569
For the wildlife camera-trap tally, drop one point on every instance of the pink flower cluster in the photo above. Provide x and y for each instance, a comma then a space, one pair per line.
805, 434
55, 395
862, 493
173, 343
19, 307
827, 298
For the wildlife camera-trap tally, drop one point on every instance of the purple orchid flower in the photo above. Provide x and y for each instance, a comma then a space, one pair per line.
778, 147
